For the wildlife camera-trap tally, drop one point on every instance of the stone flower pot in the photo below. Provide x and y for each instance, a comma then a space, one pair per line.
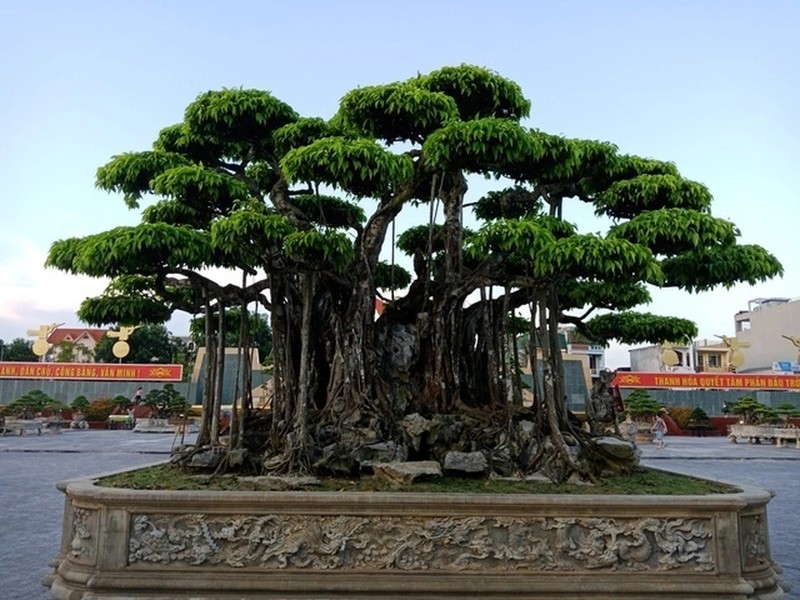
201, 545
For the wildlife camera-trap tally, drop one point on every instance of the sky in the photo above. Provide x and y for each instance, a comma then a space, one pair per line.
712, 86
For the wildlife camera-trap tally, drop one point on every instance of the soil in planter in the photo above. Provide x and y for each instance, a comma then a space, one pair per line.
642, 482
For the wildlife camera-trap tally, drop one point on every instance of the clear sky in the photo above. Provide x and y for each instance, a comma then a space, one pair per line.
713, 86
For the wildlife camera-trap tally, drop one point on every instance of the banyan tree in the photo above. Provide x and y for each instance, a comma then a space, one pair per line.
318, 221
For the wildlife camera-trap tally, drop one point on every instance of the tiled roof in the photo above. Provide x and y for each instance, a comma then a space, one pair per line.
73, 334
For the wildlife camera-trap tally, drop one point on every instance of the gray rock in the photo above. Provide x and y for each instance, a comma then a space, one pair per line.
398, 473
379, 452
415, 426
207, 459
468, 463
619, 449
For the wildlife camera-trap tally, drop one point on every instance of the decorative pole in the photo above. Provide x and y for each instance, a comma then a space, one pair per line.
121, 348
41, 345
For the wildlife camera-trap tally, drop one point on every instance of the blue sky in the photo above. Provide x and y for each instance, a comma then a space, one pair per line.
713, 86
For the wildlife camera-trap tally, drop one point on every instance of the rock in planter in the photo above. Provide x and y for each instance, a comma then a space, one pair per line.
399, 473
380, 452
466, 463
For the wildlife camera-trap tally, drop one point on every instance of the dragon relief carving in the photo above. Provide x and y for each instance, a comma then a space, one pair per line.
82, 527
422, 543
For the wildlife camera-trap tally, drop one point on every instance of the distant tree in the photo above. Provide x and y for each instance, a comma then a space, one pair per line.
148, 343
166, 402
639, 403
19, 350
32, 403
66, 351
259, 328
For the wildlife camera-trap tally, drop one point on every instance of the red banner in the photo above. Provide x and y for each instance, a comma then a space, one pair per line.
94, 371
715, 381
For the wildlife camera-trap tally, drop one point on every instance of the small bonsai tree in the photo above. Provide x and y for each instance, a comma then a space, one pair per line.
31, 404
699, 418
79, 404
787, 410
753, 412
641, 406
166, 402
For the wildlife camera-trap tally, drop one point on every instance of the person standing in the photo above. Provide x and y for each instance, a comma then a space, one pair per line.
660, 429
137, 396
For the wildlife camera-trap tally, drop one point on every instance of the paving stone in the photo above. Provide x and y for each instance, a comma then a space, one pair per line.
31, 506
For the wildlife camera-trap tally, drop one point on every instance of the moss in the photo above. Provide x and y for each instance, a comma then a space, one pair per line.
642, 482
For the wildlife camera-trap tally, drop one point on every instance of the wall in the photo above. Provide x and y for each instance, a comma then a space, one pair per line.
767, 325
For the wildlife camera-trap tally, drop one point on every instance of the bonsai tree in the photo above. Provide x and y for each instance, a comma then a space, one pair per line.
166, 402
33, 403
640, 405
753, 412
79, 404
303, 211
787, 410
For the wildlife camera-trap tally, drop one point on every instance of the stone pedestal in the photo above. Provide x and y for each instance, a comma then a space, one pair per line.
131, 545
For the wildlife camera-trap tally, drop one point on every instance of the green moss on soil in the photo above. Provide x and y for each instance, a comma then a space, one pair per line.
642, 482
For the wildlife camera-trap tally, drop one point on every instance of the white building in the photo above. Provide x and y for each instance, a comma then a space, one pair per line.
760, 332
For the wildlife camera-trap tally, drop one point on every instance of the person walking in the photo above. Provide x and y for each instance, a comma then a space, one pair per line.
660, 429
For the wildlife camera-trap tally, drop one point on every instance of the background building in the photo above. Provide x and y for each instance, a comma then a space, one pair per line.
760, 330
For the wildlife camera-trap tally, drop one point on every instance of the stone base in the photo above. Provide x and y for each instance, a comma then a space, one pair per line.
136, 545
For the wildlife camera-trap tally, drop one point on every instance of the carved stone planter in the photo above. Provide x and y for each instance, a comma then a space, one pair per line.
126, 545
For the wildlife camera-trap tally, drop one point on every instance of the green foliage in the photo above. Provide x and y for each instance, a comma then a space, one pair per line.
130, 173
260, 332
713, 266
630, 327
640, 404
19, 350
391, 277
166, 402
320, 250
753, 412
487, 146
510, 203
200, 187
239, 122
627, 198
248, 236
66, 351
698, 416
787, 410
397, 112
671, 231
126, 250
31, 404
79, 404
330, 211
608, 259
358, 166
150, 343
611, 295
301, 133
478, 92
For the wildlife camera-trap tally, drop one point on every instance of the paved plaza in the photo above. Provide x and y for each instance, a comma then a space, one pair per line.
31, 507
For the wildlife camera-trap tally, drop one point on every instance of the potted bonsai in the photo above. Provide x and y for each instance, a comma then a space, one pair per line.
643, 410
699, 422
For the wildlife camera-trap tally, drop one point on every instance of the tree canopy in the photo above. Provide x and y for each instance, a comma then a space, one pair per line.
303, 210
